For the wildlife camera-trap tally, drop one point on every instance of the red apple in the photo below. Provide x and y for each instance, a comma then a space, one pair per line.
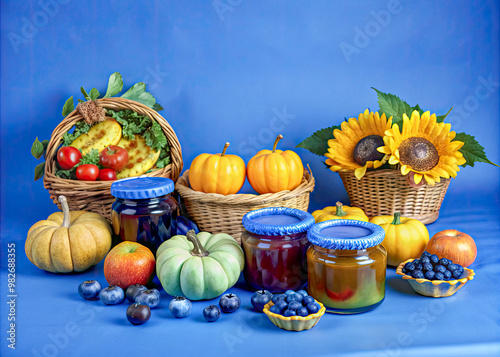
129, 263
451, 244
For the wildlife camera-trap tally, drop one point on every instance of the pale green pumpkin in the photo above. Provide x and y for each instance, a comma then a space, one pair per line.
199, 266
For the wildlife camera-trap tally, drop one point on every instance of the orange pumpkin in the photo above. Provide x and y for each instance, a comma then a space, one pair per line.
217, 173
274, 171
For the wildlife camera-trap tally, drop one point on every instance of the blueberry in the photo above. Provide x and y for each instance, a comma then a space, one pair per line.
303, 293
429, 275
439, 268
112, 295
308, 300
259, 299
460, 269
180, 306
425, 259
134, 290
419, 266
426, 254
278, 297
289, 312
403, 270
417, 274
444, 262
452, 267
275, 309
447, 275
313, 307
282, 305
434, 259
416, 262
456, 274
294, 305
289, 292
211, 313
303, 311
427, 267
409, 267
229, 303
439, 276
294, 297
89, 290
148, 297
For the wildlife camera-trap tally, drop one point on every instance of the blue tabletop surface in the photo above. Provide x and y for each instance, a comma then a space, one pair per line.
51, 316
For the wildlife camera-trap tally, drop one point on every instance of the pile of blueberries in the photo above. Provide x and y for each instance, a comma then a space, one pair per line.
430, 267
294, 304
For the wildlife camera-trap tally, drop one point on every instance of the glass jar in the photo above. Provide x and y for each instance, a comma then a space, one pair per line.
275, 245
347, 265
144, 211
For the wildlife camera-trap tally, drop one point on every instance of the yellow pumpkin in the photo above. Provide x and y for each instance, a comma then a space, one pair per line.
68, 241
339, 212
217, 173
405, 238
274, 170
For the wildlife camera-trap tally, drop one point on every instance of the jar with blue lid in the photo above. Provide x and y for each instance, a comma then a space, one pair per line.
275, 245
347, 265
144, 210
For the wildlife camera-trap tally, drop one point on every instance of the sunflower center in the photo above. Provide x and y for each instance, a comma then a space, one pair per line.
419, 153
366, 149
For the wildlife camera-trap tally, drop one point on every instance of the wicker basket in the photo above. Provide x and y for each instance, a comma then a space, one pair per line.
95, 196
216, 213
383, 192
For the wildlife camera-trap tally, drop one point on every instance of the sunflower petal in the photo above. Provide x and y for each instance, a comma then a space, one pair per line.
360, 172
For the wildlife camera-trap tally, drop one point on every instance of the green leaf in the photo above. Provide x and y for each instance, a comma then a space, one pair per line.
39, 170
94, 94
115, 85
472, 150
37, 149
317, 143
92, 157
80, 101
69, 106
85, 95
418, 109
391, 105
138, 93
132, 123
155, 138
441, 118
45, 143
157, 107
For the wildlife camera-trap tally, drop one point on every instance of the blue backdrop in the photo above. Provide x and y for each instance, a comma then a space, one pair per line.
245, 71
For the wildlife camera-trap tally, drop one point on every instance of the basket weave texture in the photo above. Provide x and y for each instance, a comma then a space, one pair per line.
383, 192
95, 196
217, 213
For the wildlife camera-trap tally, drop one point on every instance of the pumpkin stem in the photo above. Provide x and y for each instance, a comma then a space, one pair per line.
225, 148
397, 218
278, 138
198, 249
65, 209
340, 212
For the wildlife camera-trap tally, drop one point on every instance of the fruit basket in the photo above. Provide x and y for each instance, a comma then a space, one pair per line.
384, 192
217, 213
95, 196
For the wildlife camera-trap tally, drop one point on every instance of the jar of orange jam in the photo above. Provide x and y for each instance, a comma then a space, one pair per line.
347, 265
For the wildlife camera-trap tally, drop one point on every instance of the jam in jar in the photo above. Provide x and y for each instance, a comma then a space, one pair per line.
347, 265
275, 245
144, 211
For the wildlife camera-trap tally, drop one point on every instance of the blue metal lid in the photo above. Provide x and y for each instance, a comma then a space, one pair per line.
346, 234
143, 187
277, 221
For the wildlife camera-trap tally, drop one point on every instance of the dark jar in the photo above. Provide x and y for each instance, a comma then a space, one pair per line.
275, 245
347, 265
144, 211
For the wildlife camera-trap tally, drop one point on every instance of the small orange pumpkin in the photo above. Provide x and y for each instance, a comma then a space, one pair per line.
217, 173
274, 170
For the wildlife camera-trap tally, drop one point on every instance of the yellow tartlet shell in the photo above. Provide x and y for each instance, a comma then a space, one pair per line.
294, 323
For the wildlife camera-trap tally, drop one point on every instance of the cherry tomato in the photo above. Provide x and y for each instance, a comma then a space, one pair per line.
114, 157
107, 175
87, 172
68, 156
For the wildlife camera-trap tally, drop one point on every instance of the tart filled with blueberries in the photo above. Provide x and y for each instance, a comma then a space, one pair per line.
430, 267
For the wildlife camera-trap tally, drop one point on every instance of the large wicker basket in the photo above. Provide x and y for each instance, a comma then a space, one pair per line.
216, 213
95, 196
383, 192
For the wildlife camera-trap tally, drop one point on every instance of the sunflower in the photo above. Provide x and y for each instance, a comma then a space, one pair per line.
424, 147
355, 144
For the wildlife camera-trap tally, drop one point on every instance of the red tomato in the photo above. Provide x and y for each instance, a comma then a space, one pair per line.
114, 157
87, 172
68, 156
107, 175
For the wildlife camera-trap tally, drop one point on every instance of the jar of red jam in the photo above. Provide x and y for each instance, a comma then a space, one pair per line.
144, 211
347, 265
275, 245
